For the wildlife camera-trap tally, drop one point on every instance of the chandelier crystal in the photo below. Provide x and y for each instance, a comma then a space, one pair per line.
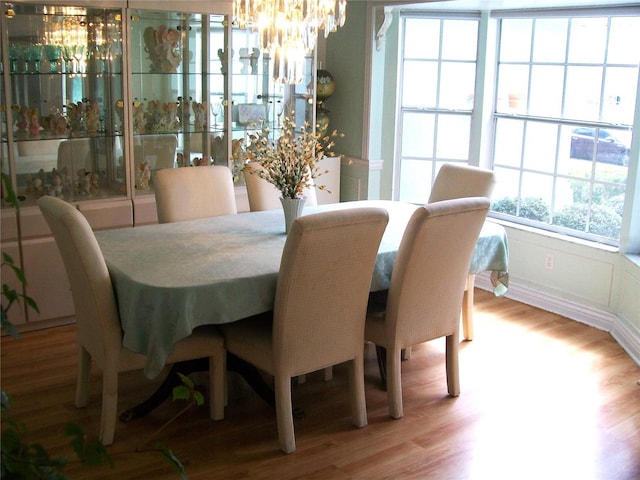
288, 29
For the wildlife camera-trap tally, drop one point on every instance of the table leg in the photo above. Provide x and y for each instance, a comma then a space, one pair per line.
234, 364
467, 308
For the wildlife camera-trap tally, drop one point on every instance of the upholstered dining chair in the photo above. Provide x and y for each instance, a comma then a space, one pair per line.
99, 334
458, 181
158, 149
319, 311
265, 196
188, 193
427, 283
74, 154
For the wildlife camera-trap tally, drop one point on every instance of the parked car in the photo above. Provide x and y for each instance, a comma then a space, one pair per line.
609, 148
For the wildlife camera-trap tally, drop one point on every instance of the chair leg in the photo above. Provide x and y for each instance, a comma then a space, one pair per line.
82, 382
109, 403
357, 393
467, 308
217, 391
284, 413
452, 364
394, 383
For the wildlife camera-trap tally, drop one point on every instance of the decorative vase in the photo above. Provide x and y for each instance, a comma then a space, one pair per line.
292, 208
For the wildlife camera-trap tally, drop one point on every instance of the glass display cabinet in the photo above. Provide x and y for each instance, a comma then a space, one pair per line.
178, 90
64, 73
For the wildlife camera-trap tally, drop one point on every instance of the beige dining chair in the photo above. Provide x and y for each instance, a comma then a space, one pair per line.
264, 195
427, 284
188, 193
319, 311
458, 181
99, 334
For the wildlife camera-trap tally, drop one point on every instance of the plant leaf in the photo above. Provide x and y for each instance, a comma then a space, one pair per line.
173, 460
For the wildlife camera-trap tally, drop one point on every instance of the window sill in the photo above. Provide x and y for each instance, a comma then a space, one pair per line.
566, 238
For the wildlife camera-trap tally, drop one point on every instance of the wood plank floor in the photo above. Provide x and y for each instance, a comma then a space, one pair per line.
543, 397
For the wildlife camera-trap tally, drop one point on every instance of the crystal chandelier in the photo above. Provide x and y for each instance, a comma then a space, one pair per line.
288, 29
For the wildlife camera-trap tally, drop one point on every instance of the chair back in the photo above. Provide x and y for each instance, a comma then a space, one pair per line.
459, 181
188, 193
323, 287
264, 195
159, 150
74, 155
97, 318
431, 267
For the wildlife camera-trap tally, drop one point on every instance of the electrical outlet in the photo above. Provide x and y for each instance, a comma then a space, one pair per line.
548, 261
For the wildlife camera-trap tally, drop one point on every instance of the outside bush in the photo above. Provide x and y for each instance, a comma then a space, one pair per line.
531, 208
604, 220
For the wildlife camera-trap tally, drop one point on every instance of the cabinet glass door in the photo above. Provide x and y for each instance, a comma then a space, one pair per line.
65, 75
258, 101
178, 95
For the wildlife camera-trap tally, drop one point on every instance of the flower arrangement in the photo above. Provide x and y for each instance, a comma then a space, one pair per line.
290, 162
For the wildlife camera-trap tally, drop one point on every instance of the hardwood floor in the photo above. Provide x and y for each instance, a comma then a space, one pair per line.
543, 397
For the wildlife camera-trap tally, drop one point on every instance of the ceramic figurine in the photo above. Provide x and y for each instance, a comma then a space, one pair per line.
200, 113
144, 169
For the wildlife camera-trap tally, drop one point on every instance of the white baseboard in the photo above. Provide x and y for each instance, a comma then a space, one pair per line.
628, 339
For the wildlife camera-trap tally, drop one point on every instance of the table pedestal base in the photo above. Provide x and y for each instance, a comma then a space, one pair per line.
234, 364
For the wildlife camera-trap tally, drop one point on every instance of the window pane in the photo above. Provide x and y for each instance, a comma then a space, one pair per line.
546, 90
536, 196
459, 40
507, 187
515, 41
419, 84
508, 142
417, 135
625, 33
550, 40
415, 181
457, 85
453, 137
422, 38
587, 41
582, 96
513, 81
540, 147
566, 152
619, 94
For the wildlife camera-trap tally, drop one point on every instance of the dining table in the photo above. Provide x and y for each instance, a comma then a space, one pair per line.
174, 277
